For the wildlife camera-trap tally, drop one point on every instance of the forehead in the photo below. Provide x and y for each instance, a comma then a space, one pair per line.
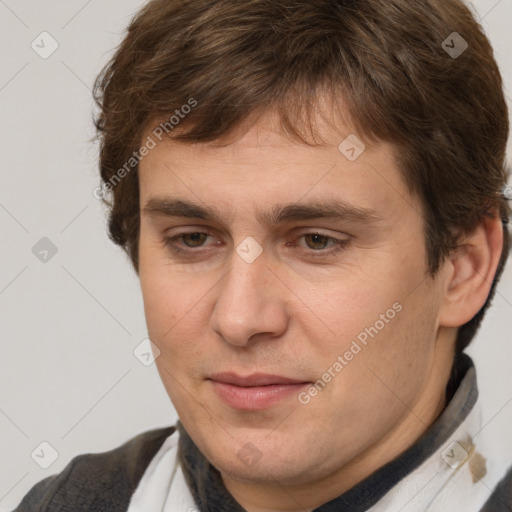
262, 165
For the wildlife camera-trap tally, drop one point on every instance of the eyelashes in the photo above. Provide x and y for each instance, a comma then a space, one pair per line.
191, 244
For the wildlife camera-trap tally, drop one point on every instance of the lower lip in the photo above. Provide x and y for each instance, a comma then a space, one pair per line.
255, 398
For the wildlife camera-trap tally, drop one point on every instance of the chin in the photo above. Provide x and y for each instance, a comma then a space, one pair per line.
264, 471
263, 460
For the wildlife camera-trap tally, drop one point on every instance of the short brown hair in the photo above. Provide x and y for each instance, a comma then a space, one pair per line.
445, 114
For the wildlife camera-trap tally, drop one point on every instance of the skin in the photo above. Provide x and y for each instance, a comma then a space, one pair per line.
291, 313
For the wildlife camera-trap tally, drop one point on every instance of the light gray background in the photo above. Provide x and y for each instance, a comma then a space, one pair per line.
69, 326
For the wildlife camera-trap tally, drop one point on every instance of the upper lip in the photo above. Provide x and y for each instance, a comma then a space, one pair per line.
255, 379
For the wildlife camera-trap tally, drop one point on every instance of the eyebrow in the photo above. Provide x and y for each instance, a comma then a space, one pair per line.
279, 214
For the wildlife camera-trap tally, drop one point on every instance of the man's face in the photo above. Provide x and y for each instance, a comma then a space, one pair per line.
338, 340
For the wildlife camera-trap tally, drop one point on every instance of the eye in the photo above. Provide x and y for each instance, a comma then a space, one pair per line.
316, 244
317, 241
189, 242
322, 245
194, 239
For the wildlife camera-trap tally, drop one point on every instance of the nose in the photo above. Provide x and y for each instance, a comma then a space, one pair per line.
250, 303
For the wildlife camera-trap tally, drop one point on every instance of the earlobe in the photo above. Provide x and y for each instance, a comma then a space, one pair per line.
471, 271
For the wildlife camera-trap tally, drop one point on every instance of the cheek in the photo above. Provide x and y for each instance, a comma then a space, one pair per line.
174, 327
175, 317
381, 324
340, 311
169, 296
392, 363
376, 381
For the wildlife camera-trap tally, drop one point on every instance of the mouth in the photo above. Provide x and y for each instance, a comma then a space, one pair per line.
254, 392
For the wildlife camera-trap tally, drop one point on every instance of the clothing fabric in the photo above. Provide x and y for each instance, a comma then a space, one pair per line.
98, 482
456, 465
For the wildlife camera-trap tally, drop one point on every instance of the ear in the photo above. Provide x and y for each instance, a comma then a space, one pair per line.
470, 271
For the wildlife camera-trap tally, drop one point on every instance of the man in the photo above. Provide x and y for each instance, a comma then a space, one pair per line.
313, 196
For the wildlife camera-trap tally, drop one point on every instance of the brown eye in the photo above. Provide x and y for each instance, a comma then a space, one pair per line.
318, 242
194, 239
318, 245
